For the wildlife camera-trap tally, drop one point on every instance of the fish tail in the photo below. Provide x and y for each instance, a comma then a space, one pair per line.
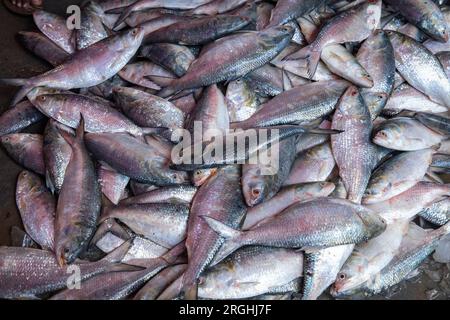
119, 253
125, 14
312, 59
25, 84
80, 129
168, 91
232, 238
79, 135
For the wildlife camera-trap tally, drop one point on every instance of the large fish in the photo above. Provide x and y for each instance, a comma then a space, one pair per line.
338, 221
219, 198
376, 55
426, 15
354, 24
37, 209
232, 57
98, 115
284, 198
79, 201
251, 272
397, 175
420, 68
28, 273
301, 104
88, 67
354, 152
134, 158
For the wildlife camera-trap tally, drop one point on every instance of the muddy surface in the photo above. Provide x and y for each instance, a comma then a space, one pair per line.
431, 281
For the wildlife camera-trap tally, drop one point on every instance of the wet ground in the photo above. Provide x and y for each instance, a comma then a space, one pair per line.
431, 282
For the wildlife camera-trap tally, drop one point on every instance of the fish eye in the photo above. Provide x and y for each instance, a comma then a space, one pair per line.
256, 192
342, 276
134, 32
42, 98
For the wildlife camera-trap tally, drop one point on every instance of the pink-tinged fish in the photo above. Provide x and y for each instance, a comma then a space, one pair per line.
88, 67
79, 202
37, 209
354, 24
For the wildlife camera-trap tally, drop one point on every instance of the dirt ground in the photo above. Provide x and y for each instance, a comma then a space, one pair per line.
432, 281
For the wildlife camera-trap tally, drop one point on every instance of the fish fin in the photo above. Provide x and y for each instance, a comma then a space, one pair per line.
232, 236
124, 15
167, 92
125, 267
222, 229
323, 131
312, 59
70, 139
433, 176
301, 54
49, 182
25, 84
191, 293
119, 253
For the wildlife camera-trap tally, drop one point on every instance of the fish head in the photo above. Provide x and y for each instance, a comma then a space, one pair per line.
16, 143
275, 36
374, 223
67, 249
350, 278
172, 177
132, 37
254, 186
351, 104
375, 102
27, 181
388, 134
200, 176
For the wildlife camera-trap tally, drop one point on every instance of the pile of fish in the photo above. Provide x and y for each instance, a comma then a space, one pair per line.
358, 91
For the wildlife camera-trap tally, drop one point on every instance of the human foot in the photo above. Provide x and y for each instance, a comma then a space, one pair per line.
24, 7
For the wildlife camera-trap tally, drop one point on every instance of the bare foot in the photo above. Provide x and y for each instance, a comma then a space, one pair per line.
24, 7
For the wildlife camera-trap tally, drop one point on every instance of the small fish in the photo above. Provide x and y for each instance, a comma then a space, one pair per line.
397, 175
55, 28
354, 152
37, 209
283, 199
426, 15
162, 223
405, 134
182, 194
26, 149
19, 117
